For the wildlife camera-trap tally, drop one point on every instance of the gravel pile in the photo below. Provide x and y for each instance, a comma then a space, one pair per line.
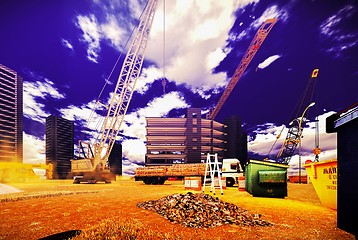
201, 211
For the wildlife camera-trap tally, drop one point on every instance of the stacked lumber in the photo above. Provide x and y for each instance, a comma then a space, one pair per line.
176, 170
194, 169
151, 171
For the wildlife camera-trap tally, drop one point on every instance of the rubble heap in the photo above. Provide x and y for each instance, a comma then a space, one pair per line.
201, 211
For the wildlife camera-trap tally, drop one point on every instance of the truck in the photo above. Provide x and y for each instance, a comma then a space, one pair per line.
231, 170
20, 172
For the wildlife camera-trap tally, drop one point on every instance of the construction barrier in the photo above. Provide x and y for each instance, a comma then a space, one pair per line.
223, 182
242, 184
296, 179
192, 183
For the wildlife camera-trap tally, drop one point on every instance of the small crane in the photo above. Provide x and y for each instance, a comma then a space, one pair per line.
294, 134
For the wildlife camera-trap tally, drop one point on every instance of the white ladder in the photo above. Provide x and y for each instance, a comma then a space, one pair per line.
212, 167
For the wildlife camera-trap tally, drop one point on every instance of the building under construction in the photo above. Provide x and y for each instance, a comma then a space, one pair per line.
189, 139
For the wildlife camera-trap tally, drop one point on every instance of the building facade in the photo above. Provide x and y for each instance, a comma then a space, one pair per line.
345, 124
235, 140
59, 145
11, 111
190, 139
115, 159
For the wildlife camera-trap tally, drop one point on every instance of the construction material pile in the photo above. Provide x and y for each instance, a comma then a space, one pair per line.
201, 211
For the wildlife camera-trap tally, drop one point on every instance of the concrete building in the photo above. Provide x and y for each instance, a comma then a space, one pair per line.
11, 111
189, 139
115, 159
59, 145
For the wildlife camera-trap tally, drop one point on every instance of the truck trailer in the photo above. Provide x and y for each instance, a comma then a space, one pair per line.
231, 170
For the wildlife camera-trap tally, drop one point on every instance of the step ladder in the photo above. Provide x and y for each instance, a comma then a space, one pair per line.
212, 167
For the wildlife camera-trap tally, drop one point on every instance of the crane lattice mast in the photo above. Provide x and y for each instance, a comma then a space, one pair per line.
260, 36
294, 134
125, 86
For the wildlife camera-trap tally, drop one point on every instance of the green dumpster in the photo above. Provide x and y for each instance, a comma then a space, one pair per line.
266, 179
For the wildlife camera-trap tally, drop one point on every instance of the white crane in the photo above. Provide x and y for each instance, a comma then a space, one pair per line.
92, 169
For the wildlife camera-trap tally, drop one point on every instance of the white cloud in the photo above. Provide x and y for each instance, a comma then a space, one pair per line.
268, 61
134, 149
271, 12
158, 107
337, 37
330, 26
34, 149
214, 58
33, 91
135, 7
115, 26
128, 169
112, 31
88, 120
147, 77
192, 52
91, 34
66, 44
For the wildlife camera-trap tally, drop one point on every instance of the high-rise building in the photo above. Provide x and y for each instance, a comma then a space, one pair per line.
11, 109
236, 140
115, 159
189, 139
59, 145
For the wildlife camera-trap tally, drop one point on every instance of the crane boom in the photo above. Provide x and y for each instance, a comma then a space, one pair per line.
125, 87
94, 167
260, 36
294, 134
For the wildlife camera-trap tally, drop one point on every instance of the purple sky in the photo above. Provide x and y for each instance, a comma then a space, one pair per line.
65, 50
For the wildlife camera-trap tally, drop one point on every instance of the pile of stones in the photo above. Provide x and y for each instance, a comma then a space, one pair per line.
201, 211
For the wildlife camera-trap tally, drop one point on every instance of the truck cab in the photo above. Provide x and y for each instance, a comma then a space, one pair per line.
231, 170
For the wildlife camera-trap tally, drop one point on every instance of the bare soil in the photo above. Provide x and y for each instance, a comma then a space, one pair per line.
48, 207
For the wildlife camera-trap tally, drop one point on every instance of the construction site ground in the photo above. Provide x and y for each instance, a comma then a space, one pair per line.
48, 207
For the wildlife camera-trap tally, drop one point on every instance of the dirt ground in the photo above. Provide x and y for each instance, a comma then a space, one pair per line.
48, 207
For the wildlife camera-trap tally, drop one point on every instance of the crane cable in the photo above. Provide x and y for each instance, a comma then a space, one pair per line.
278, 136
95, 107
164, 81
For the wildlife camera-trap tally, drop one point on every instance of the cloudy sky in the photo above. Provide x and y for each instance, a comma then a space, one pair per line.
67, 50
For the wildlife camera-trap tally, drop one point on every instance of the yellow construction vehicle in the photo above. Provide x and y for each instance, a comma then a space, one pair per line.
20, 172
